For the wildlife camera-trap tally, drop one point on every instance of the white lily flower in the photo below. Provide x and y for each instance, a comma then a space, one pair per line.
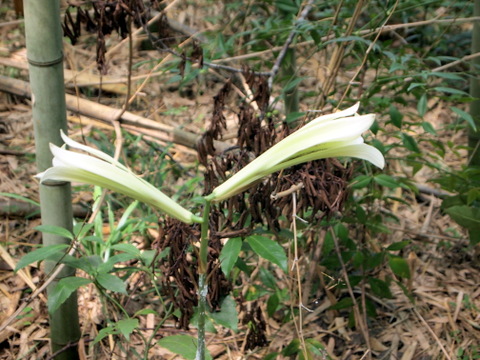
104, 171
333, 135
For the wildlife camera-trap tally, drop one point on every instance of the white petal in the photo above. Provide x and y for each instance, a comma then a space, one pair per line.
71, 166
90, 150
336, 115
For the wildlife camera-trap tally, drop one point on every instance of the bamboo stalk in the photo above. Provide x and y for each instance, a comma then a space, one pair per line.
45, 56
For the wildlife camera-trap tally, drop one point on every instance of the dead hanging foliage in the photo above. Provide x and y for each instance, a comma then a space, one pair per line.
108, 16
179, 268
320, 185
256, 325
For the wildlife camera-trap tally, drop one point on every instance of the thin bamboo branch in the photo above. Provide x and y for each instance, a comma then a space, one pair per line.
288, 42
365, 33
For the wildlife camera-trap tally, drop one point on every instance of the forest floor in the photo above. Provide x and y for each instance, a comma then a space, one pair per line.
441, 320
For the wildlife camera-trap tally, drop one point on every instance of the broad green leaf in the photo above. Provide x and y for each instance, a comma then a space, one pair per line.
271, 356
429, 128
474, 237
466, 216
127, 248
410, 143
422, 105
399, 266
465, 116
64, 288
183, 345
41, 254
112, 283
127, 326
380, 288
109, 330
272, 304
344, 303
55, 230
269, 250
361, 181
227, 316
398, 245
386, 180
396, 116
292, 348
229, 254
145, 312
294, 116
267, 279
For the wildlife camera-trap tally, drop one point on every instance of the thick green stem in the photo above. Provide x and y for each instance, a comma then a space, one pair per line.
43, 36
202, 282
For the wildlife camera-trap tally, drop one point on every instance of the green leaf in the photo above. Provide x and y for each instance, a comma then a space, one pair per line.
422, 105
399, 266
465, 116
380, 288
127, 248
292, 348
466, 216
429, 128
396, 116
64, 288
227, 316
41, 254
361, 181
272, 304
20, 197
474, 237
127, 326
410, 143
294, 116
109, 330
344, 303
386, 180
55, 230
269, 250
449, 90
183, 345
229, 254
398, 245
111, 283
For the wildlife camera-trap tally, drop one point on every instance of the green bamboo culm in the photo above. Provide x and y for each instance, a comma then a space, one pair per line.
43, 35
474, 135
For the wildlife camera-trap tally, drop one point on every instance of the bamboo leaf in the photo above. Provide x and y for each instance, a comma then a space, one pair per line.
127, 326
55, 230
65, 287
228, 315
229, 254
269, 250
111, 283
183, 345
41, 254
399, 266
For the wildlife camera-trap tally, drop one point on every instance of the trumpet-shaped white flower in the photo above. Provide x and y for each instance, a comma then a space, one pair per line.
104, 171
333, 135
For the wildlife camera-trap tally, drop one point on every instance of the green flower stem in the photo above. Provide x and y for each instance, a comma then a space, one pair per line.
202, 282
